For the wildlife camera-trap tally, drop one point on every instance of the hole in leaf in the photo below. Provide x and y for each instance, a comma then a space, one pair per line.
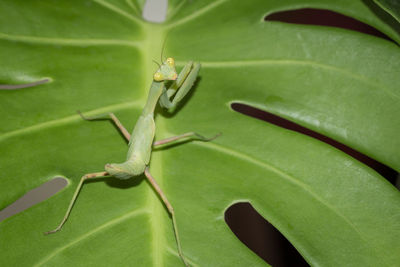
33, 197
155, 10
322, 17
385, 171
261, 237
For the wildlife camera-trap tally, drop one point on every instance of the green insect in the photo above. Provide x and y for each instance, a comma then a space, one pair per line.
141, 140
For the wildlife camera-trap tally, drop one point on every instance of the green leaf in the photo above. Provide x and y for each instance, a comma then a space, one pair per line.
390, 6
98, 54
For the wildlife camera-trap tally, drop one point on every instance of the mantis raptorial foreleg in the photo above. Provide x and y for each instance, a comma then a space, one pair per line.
191, 135
181, 86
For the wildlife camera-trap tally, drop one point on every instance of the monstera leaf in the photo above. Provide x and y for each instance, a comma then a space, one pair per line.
98, 55
390, 6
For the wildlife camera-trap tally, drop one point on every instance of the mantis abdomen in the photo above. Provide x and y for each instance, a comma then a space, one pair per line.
139, 152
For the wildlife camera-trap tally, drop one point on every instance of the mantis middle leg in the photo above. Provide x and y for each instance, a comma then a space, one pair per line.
191, 135
109, 116
125, 133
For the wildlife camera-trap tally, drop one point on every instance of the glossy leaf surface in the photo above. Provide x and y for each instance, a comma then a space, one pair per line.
98, 54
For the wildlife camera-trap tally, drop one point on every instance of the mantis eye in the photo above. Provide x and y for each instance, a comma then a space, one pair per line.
158, 77
170, 61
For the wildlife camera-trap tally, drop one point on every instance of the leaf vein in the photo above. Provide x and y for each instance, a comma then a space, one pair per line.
286, 176
110, 223
68, 119
119, 11
196, 14
250, 63
67, 41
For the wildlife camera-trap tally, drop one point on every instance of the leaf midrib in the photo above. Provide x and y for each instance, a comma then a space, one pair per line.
153, 204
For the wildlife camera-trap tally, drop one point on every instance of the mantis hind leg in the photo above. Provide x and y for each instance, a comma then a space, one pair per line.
109, 116
71, 204
170, 210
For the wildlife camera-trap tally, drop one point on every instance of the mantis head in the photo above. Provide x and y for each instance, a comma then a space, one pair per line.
166, 71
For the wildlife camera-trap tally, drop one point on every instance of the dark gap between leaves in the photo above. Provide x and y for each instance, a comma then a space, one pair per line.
261, 237
34, 197
385, 171
322, 17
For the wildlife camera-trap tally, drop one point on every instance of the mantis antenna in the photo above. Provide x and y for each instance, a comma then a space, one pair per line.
162, 48
158, 64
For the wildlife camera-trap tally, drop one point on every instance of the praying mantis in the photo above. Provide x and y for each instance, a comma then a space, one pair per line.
141, 140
